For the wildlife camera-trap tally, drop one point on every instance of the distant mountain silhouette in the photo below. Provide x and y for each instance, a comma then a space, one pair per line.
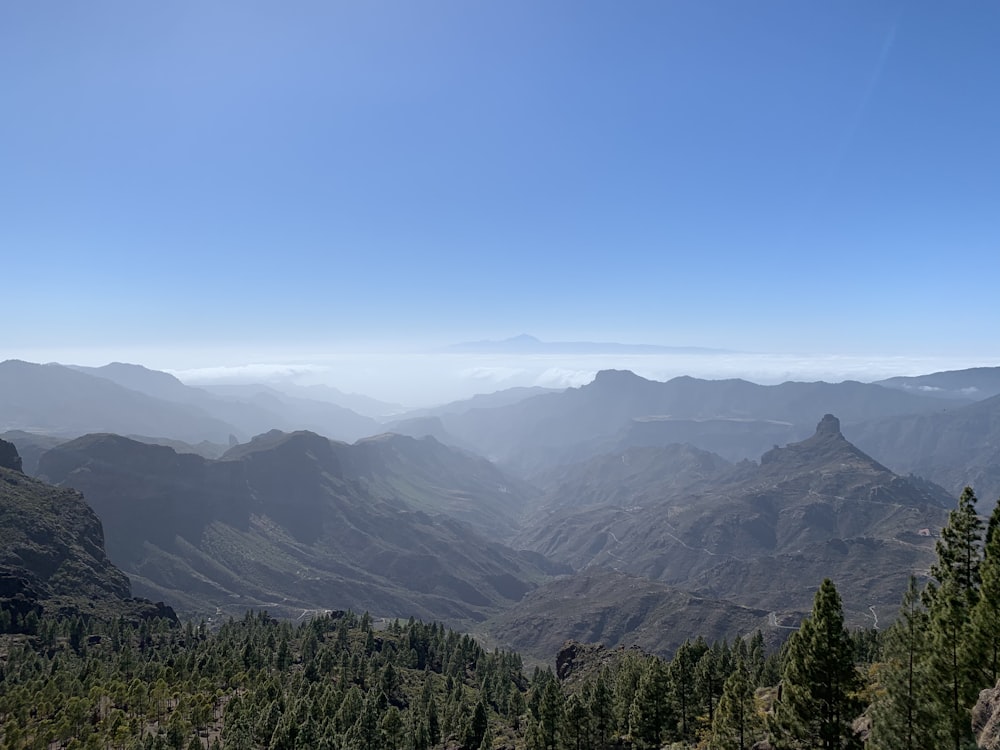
248, 409
294, 522
973, 384
359, 403
57, 400
574, 424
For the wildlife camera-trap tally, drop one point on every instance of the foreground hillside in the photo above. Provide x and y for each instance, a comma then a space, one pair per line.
295, 522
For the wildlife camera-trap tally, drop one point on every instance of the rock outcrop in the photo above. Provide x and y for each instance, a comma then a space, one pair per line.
9, 458
986, 719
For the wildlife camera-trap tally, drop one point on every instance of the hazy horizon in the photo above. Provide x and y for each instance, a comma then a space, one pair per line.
416, 378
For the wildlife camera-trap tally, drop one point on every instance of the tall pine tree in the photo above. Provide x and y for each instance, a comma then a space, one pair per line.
736, 724
902, 718
818, 700
950, 597
983, 641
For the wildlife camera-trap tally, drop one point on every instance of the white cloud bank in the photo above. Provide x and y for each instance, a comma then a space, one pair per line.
424, 379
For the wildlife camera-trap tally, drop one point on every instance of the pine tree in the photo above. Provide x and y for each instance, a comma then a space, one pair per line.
902, 716
681, 672
818, 701
736, 723
546, 730
950, 597
983, 641
650, 715
578, 724
709, 675
599, 705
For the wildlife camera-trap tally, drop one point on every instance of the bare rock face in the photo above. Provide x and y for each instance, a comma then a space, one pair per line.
986, 719
9, 458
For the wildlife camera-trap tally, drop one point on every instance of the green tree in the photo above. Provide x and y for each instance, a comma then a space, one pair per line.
600, 706
709, 675
578, 723
950, 597
983, 641
545, 731
651, 715
818, 702
902, 716
682, 681
392, 728
478, 725
736, 723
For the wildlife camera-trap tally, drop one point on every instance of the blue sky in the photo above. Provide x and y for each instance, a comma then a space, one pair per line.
271, 179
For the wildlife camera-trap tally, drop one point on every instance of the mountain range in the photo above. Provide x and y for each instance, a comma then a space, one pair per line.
126, 399
625, 510
296, 522
750, 533
619, 407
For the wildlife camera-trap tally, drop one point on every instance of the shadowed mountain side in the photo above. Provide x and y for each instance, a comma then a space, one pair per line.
562, 427
955, 448
52, 556
615, 609
635, 476
801, 497
60, 401
733, 439
440, 479
294, 522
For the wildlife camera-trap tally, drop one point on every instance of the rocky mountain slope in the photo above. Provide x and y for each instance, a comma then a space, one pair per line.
762, 535
603, 606
295, 522
52, 557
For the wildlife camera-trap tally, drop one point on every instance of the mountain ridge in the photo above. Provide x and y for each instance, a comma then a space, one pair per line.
290, 522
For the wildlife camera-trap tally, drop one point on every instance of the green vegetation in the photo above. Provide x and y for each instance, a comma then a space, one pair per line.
941, 652
339, 682
819, 681
334, 682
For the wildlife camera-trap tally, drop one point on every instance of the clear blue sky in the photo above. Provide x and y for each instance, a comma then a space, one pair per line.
779, 176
